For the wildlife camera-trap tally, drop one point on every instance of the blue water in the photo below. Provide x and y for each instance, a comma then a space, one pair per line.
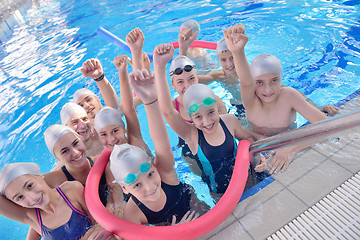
318, 43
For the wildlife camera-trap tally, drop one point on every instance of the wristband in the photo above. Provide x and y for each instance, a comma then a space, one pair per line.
99, 78
151, 102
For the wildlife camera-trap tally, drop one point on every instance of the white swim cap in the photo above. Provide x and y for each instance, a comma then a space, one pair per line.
127, 163
221, 46
69, 110
54, 133
197, 97
108, 116
194, 25
14, 170
264, 64
180, 61
80, 92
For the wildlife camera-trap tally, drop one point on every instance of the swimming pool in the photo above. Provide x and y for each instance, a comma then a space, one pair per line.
318, 43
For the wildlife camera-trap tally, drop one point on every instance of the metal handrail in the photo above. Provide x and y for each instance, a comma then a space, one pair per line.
311, 133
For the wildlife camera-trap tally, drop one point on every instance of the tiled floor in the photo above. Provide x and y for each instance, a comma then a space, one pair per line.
314, 173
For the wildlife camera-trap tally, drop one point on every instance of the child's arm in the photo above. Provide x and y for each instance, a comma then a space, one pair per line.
236, 40
144, 85
133, 126
15, 212
221, 105
298, 102
92, 68
135, 40
186, 37
211, 76
162, 55
33, 235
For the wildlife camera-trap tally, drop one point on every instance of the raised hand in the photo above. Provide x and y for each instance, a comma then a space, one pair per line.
143, 83
92, 68
186, 37
188, 217
235, 37
163, 53
135, 39
120, 63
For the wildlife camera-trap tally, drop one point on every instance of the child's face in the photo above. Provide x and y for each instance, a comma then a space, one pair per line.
81, 125
183, 81
90, 103
147, 187
206, 119
70, 150
268, 87
112, 135
28, 191
226, 61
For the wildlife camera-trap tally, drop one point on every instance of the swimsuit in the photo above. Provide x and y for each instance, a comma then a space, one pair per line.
217, 162
177, 203
103, 193
75, 228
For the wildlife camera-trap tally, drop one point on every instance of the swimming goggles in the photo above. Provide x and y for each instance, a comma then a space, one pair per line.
206, 102
131, 177
178, 71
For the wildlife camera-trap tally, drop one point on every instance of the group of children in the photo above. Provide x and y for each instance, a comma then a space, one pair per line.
138, 185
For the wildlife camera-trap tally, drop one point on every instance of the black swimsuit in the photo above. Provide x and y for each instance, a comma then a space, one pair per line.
103, 193
177, 203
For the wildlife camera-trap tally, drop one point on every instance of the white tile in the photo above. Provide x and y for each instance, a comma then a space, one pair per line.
319, 182
349, 157
233, 232
228, 221
299, 166
272, 215
249, 204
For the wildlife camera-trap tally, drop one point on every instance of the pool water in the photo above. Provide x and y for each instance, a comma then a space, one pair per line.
318, 43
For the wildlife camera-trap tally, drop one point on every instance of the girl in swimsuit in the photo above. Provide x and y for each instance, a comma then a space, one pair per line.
156, 192
209, 131
70, 151
108, 122
270, 108
60, 213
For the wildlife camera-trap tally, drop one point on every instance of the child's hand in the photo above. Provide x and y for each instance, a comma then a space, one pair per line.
235, 37
120, 63
92, 68
135, 39
188, 217
186, 37
146, 61
331, 110
163, 53
261, 166
281, 160
143, 83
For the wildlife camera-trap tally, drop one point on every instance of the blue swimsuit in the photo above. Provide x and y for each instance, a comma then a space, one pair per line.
217, 162
177, 203
75, 228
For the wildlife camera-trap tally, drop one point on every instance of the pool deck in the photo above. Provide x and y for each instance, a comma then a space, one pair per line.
315, 172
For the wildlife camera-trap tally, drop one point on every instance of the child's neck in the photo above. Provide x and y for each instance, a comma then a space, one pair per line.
54, 200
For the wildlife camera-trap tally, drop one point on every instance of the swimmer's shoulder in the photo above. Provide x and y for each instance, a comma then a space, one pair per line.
74, 192
230, 120
54, 178
132, 213
289, 94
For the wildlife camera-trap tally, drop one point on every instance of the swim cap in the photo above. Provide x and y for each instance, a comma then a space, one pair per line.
80, 92
197, 97
180, 61
54, 133
14, 170
69, 110
221, 46
264, 64
128, 160
194, 25
108, 116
